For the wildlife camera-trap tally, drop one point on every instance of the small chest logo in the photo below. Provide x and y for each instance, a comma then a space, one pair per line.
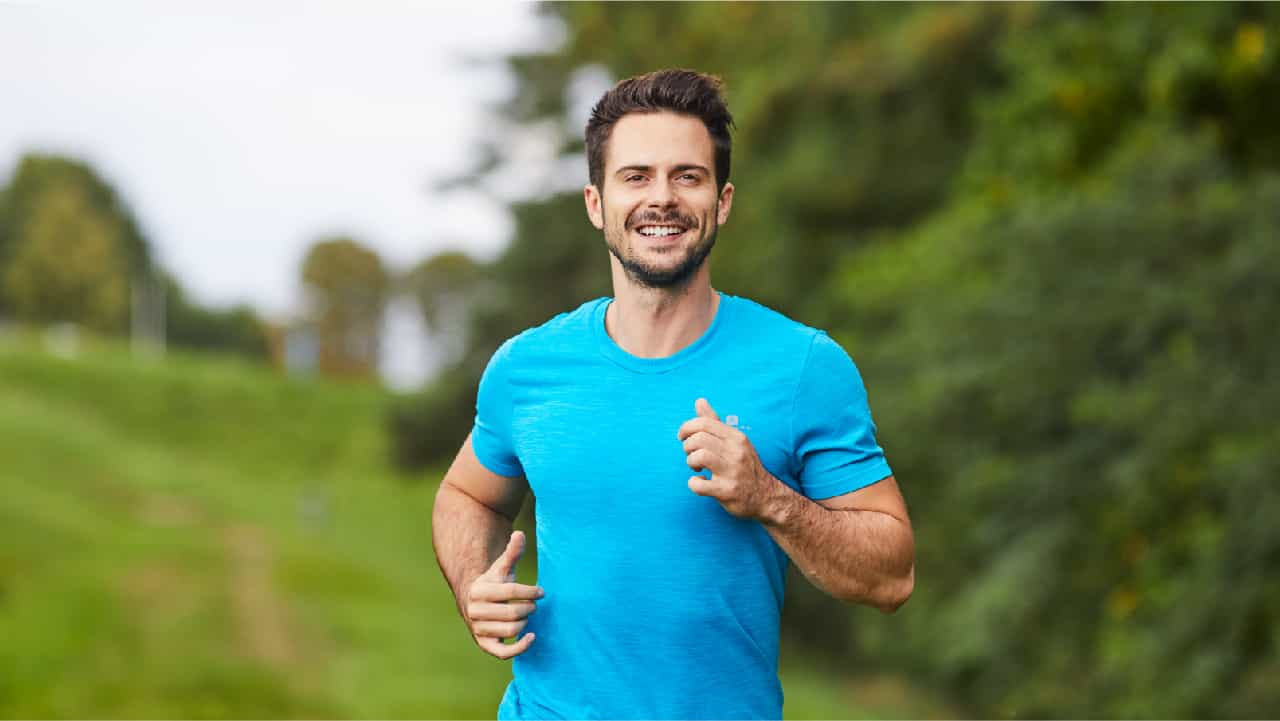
733, 422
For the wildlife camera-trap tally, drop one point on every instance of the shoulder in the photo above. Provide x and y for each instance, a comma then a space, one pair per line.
768, 325
802, 349
564, 331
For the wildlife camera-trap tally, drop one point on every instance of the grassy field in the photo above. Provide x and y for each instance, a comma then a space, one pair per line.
199, 538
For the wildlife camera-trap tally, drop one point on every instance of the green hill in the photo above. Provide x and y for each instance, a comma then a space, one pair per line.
196, 538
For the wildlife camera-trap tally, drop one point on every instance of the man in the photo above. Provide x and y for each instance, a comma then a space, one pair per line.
659, 594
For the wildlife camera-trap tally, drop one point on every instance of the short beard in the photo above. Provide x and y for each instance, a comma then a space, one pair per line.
665, 278
678, 277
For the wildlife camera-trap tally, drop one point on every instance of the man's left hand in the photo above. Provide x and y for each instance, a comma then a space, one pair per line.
738, 480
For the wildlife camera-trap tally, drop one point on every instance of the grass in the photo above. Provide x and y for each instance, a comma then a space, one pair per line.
197, 537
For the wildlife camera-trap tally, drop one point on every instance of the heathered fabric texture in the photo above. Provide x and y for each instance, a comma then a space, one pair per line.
659, 604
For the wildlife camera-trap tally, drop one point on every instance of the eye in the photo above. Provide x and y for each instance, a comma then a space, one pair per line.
634, 178
688, 178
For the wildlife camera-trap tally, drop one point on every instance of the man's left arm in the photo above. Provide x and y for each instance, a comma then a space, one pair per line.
858, 547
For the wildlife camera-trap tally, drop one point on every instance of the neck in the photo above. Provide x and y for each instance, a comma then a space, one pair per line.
659, 322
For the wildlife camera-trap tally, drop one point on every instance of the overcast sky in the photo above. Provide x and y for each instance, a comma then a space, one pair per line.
240, 132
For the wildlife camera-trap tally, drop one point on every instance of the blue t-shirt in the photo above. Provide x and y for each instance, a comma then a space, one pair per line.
659, 603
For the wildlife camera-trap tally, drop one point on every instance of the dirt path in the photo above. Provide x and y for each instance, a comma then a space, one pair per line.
261, 618
263, 628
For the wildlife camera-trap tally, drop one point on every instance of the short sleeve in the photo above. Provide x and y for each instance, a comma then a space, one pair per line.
835, 440
491, 436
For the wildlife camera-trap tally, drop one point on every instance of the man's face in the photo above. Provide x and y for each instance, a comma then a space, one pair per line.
659, 206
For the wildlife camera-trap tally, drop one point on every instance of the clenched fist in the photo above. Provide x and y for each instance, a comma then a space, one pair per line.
496, 607
738, 480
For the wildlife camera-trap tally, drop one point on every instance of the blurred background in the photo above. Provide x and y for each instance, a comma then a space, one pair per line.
253, 261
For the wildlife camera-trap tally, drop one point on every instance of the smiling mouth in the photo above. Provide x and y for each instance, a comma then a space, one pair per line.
661, 232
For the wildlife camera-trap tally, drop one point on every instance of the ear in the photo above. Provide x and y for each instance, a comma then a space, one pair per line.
726, 203
595, 206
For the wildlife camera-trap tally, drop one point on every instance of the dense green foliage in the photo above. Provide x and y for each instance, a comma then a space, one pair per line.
198, 537
1047, 235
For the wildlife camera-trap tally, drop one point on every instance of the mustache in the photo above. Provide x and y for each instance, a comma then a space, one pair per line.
652, 217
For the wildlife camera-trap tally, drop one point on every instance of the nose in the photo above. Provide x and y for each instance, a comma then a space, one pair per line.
660, 195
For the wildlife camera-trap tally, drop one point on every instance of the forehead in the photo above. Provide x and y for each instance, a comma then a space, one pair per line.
658, 139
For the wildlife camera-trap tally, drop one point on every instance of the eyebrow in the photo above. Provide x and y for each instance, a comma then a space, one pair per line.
649, 168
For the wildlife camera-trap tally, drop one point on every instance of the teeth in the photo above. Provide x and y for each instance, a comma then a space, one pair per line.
658, 231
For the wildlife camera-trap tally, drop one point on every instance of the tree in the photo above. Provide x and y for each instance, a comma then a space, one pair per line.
444, 287
68, 246
68, 265
347, 288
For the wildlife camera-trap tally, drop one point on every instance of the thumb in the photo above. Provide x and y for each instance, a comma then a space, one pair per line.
705, 410
504, 566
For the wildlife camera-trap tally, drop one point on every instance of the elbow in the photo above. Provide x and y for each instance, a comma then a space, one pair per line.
888, 596
898, 592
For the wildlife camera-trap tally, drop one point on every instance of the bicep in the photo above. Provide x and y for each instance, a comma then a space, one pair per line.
883, 496
502, 494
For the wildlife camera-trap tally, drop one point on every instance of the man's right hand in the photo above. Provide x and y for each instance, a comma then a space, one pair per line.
497, 607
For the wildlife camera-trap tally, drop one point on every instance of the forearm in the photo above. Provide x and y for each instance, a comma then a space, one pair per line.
467, 536
855, 555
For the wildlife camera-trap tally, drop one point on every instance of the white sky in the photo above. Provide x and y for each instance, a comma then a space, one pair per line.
240, 132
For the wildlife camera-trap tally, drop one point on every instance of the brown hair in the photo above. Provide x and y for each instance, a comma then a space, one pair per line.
679, 91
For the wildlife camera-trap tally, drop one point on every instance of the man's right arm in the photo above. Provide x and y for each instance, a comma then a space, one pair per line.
477, 551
